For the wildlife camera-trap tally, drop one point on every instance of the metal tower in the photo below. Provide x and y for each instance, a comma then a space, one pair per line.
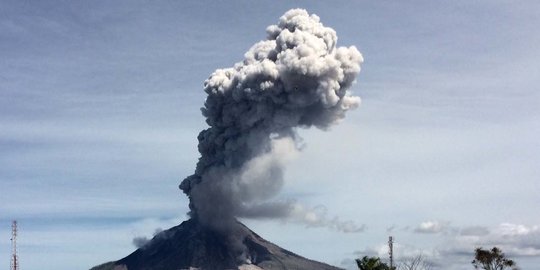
391, 251
14, 258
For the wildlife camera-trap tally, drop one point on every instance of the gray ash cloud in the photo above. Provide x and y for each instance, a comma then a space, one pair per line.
296, 78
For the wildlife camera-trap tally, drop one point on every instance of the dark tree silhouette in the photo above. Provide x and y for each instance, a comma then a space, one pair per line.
492, 259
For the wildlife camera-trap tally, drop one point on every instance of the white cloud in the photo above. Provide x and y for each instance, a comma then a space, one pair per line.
514, 230
318, 217
432, 227
453, 247
515, 240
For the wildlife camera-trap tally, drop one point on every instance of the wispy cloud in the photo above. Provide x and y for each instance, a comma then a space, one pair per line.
454, 248
474, 231
432, 227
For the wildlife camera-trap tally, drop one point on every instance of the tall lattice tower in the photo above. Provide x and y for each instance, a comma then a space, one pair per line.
391, 251
14, 258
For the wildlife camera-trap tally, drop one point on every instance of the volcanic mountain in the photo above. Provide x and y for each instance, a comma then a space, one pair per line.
296, 78
191, 245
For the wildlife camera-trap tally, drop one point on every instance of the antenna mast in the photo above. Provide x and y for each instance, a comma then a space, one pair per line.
14, 258
391, 251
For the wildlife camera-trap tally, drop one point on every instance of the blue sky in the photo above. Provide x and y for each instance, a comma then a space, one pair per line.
99, 114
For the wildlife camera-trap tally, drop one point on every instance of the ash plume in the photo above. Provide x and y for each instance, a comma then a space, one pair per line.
141, 241
296, 78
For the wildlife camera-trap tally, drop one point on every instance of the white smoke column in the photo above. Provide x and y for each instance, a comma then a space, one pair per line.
297, 77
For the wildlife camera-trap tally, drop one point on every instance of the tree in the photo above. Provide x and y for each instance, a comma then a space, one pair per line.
416, 263
492, 259
371, 263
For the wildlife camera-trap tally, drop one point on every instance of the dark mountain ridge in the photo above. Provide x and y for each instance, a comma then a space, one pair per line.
191, 245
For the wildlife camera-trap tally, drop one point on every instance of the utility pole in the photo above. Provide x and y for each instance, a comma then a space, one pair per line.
391, 251
14, 258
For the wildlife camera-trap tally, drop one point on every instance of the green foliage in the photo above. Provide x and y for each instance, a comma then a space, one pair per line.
371, 263
492, 259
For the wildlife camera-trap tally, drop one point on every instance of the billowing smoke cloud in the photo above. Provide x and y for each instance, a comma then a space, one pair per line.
296, 78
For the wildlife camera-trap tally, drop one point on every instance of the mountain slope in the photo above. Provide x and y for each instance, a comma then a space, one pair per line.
192, 246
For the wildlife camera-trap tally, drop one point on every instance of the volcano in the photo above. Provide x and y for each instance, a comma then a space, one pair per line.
191, 245
296, 78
